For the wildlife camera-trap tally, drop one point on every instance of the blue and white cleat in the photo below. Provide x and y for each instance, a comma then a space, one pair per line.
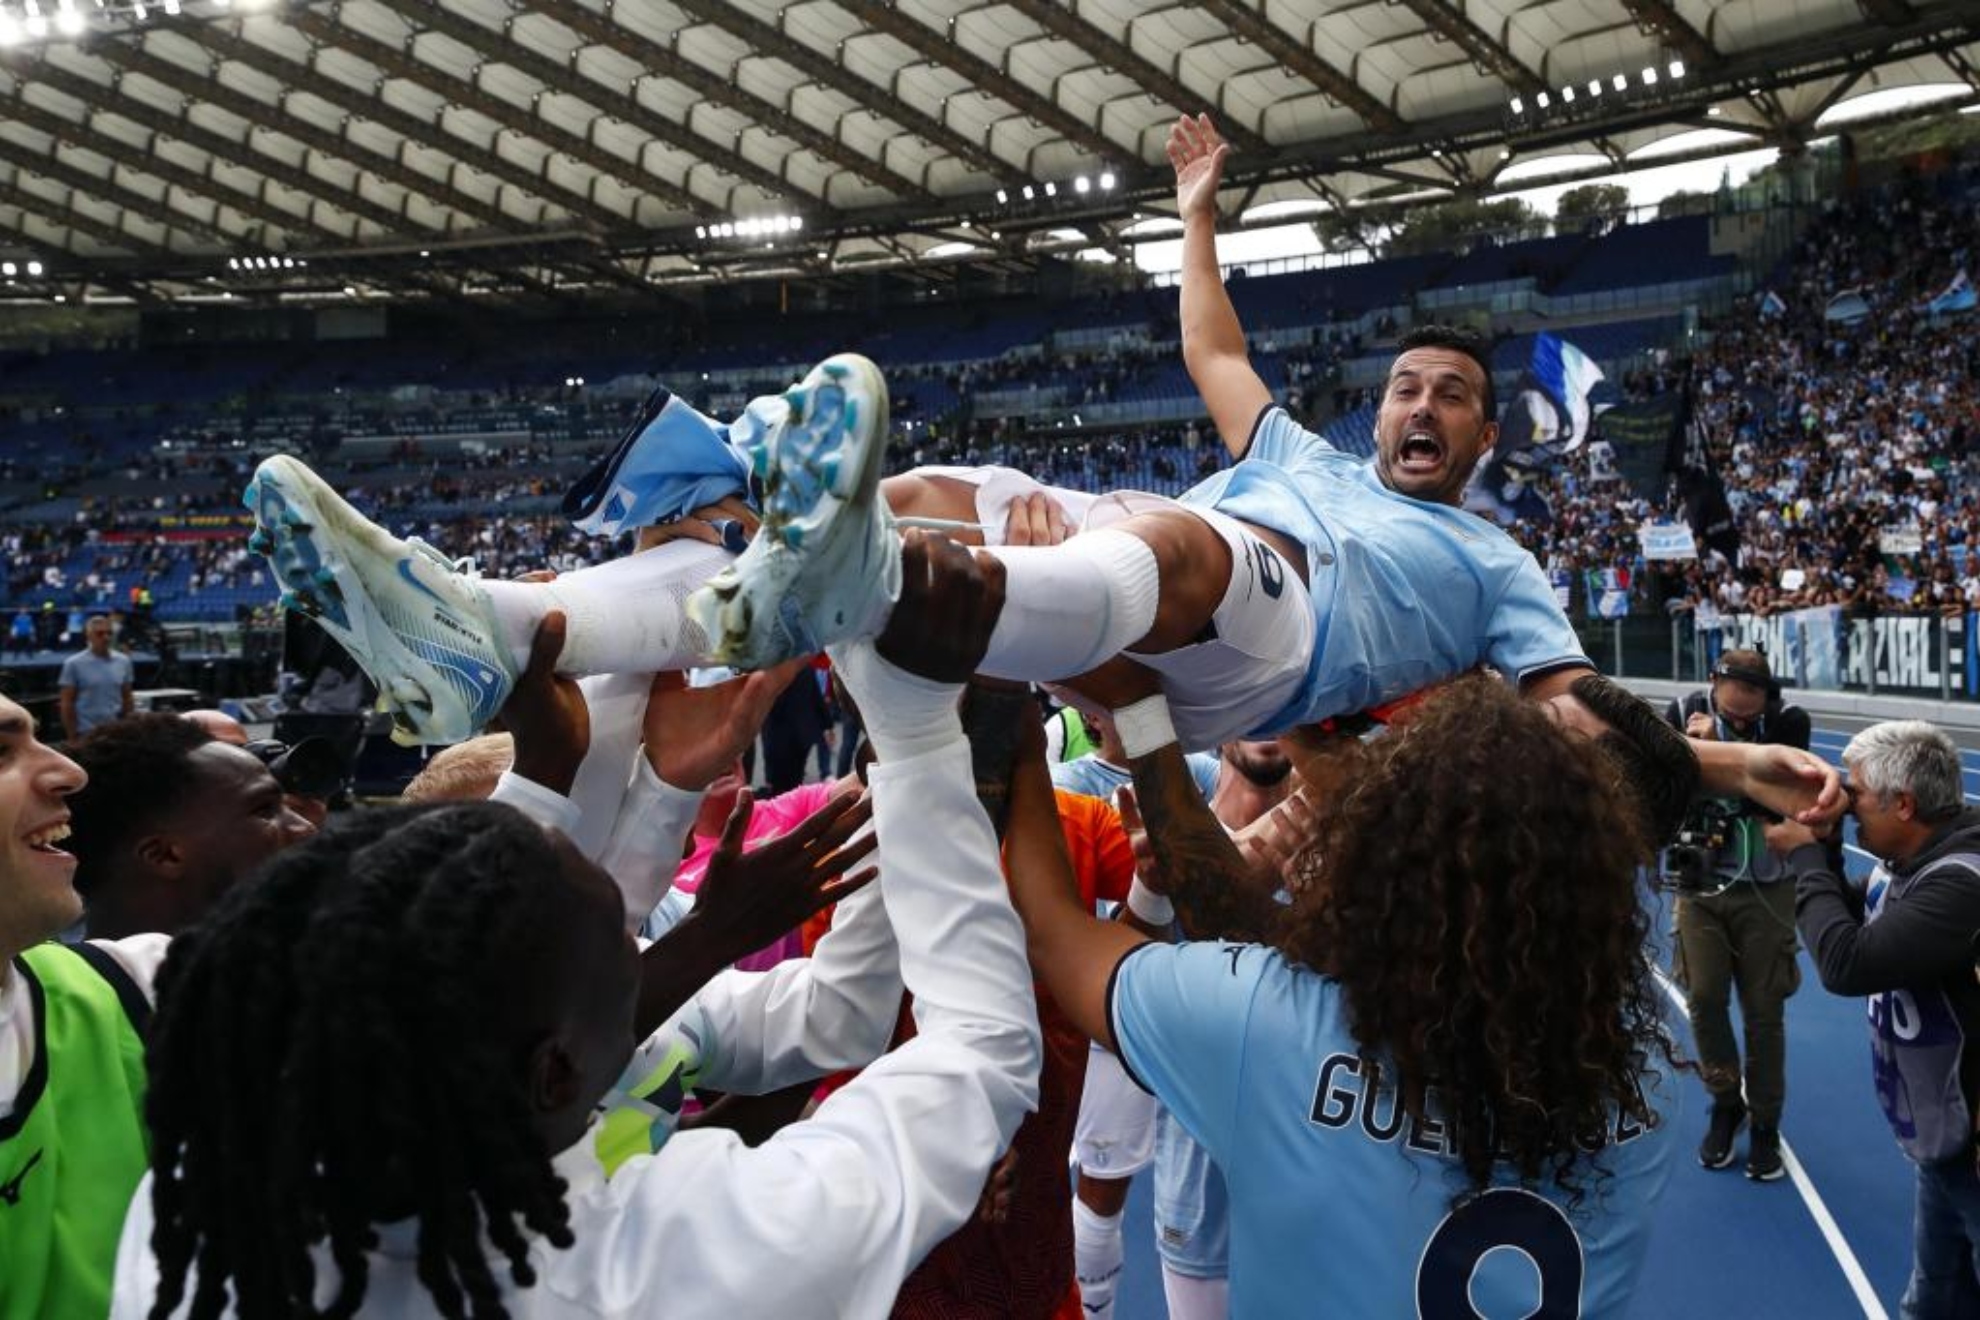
826, 564
413, 618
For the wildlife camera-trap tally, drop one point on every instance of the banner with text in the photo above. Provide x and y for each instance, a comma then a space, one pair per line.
1922, 655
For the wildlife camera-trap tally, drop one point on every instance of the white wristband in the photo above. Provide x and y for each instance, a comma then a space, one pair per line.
1149, 906
1144, 726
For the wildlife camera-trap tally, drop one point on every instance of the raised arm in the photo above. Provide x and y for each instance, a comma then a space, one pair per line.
1072, 951
1212, 340
848, 1201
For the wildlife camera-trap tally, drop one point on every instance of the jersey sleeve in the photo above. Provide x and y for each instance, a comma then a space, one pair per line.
1278, 439
1528, 634
1180, 1014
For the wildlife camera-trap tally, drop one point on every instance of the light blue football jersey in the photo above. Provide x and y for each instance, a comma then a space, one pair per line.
1097, 778
1340, 1203
1405, 593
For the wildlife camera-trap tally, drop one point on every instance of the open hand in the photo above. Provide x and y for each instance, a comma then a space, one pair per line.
1198, 152
1036, 519
704, 524
694, 734
748, 899
1796, 784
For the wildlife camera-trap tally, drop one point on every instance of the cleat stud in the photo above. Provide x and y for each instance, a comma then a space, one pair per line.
793, 535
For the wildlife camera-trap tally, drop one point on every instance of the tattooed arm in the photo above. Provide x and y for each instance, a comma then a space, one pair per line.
1216, 894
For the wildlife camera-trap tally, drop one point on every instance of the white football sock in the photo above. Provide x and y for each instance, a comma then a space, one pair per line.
1069, 607
624, 616
1097, 1255
1191, 1298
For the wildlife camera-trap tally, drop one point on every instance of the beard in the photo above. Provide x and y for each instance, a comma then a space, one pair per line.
1259, 771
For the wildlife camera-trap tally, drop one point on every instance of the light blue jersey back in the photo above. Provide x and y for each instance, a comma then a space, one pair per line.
1340, 1203
1406, 593
1097, 778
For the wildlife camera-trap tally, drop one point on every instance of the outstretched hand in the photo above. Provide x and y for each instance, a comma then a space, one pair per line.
694, 734
708, 524
1796, 784
1198, 152
949, 604
547, 714
748, 899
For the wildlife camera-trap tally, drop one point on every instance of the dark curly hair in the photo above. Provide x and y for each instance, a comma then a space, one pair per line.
140, 772
323, 1059
1654, 759
1475, 895
1458, 340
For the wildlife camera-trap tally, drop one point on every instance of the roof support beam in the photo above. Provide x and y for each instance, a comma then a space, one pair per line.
1068, 26
502, 48
116, 192
1447, 20
1890, 13
179, 126
397, 63
944, 49
1661, 19
66, 214
262, 117
600, 30
195, 183
1299, 57
825, 67
359, 105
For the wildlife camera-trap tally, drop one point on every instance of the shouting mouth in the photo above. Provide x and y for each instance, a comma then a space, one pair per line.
1420, 451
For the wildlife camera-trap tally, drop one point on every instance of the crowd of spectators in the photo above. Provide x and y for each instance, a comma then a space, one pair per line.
1837, 442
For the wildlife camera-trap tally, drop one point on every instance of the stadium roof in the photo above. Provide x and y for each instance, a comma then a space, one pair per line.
188, 149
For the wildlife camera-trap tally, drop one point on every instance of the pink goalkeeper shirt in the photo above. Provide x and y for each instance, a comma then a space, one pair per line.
772, 817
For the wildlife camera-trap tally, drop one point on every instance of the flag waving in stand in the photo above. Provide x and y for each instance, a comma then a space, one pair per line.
1546, 417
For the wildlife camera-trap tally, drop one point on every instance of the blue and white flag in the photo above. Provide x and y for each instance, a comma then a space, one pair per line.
1546, 417
1771, 305
1567, 375
1958, 297
1848, 307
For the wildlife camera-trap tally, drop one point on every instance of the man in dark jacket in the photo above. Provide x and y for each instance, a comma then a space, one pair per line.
1906, 941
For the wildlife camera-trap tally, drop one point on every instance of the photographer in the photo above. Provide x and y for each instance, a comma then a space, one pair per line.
1735, 918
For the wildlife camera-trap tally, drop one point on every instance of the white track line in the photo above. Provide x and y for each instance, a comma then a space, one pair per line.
1859, 1282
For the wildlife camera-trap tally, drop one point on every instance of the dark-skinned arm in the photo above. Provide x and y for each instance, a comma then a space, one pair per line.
748, 899
1217, 896
1072, 951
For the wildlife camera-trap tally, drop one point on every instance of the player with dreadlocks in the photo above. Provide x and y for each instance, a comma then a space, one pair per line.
374, 1069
